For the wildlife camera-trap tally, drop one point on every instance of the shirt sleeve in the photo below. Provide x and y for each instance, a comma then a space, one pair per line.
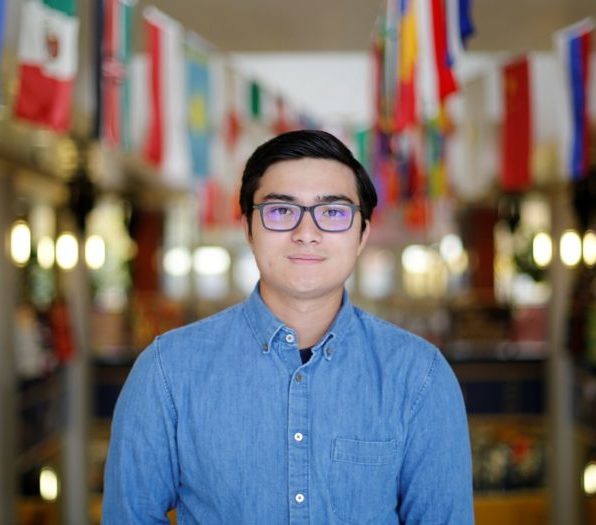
435, 484
142, 474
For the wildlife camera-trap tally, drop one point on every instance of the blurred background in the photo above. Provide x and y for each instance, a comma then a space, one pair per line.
124, 127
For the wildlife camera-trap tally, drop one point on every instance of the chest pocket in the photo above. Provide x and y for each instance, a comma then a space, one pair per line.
363, 479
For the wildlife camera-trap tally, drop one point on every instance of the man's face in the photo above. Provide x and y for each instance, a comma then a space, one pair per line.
305, 263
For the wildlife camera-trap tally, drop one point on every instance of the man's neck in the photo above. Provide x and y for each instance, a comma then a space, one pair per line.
310, 318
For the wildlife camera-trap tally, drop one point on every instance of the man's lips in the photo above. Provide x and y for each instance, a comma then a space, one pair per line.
305, 258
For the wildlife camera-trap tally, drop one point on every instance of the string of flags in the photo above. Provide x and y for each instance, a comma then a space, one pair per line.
179, 104
419, 154
204, 117
415, 49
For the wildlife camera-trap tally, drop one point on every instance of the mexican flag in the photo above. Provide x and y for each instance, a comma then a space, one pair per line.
47, 54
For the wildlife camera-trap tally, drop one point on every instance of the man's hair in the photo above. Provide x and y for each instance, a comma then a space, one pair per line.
302, 144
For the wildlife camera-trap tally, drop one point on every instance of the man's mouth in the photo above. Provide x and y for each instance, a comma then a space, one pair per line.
305, 258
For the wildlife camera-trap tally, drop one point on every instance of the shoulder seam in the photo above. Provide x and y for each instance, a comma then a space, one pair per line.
164, 379
425, 385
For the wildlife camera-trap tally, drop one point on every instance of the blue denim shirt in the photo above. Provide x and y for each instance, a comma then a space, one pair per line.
221, 420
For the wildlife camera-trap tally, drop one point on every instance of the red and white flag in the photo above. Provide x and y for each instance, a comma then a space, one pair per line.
48, 55
167, 145
436, 78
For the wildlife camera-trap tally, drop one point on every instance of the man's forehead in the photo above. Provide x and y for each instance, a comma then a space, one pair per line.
326, 175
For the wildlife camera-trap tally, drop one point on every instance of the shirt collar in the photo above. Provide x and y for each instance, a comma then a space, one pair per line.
265, 325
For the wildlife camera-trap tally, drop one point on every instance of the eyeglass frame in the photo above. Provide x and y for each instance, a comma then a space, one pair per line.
310, 209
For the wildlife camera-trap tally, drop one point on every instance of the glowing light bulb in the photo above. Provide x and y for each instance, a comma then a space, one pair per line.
48, 484
211, 260
590, 478
67, 251
46, 254
542, 249
415, 259
571, 248
589, 248
20, 243
177, 262
95, 252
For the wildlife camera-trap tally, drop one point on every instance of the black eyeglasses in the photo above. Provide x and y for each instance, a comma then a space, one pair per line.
285, 217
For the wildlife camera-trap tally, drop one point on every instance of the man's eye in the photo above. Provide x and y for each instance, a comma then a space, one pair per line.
280, 211
335, 211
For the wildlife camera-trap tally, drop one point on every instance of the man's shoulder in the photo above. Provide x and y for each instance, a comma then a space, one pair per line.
419, 366
202, 332
392, 336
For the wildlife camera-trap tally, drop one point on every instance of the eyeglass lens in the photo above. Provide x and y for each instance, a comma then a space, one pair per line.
330, 217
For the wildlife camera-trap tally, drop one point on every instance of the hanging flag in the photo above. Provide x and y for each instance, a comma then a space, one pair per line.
233, 98
471, 152
167, 144
389, 34
282, 121
459, 27
255, 100
516, 138
417, 212
362, 141
405, 105
47, 55
385, 170
466, 25
212, 203
114, 57
443, 62
435, 154
197, 72
139, 100
232, 128
436, 78
378, 79
573, 47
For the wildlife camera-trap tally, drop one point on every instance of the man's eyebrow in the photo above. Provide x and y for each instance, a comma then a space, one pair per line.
320, 198
279, 197
334, 198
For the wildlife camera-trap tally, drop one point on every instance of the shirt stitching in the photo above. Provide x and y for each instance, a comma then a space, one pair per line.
253, 329
425, 385
164, 380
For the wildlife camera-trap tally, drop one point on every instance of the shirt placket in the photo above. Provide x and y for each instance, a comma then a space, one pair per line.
298, 447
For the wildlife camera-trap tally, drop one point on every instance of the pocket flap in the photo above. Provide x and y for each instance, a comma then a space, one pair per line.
365, 452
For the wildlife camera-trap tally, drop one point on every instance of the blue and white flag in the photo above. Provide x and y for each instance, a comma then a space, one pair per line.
573, 45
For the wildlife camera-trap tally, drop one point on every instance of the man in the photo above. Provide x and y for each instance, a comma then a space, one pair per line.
294, 406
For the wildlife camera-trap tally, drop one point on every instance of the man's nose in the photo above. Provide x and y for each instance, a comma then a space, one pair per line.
307, 230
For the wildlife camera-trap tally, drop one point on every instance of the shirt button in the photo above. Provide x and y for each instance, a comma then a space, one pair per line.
289, 338
298, 436
299, 498
299, 377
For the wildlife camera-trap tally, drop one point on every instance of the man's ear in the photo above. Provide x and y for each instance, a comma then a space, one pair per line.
364, 237
246, 228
